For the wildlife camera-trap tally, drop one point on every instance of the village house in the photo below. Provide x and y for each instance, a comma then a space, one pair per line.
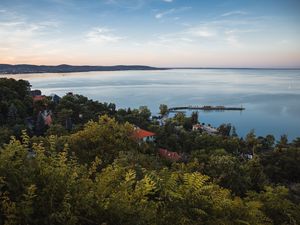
35, 92
169, 155
207, 129
38, 98
143, 135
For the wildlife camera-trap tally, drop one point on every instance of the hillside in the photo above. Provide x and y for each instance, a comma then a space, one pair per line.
26, 68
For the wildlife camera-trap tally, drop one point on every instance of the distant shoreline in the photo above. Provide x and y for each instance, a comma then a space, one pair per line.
30, 69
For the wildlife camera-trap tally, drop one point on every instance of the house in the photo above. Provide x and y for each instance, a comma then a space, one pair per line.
46, 114
169, 155
247, 156
207, 129
35, 92
143, 135
196, 127
38, 98
55, 98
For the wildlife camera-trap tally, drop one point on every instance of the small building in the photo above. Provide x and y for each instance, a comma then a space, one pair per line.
143, 135
35, 92
196, 127
247, 156
207, 129
38, 98
210, 130
47, 116
169, 155
55, 98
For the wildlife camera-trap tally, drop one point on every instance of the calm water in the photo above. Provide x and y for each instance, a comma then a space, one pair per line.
271, 97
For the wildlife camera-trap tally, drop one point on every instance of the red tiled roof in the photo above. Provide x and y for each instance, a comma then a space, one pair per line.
38, 97
140, 133
173, 156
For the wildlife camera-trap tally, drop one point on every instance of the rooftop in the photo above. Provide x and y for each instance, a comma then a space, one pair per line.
140, 133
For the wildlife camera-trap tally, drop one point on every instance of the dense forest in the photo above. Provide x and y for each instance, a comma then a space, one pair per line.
72, 160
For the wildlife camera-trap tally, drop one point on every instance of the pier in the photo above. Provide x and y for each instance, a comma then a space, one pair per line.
205, 108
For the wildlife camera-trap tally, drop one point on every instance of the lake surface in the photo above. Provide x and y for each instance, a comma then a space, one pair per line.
271, 97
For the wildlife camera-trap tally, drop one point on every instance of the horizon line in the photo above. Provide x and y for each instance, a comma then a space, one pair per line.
159, 67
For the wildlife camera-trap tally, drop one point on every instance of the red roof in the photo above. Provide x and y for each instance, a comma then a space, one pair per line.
140, 133
38, 97
173, 156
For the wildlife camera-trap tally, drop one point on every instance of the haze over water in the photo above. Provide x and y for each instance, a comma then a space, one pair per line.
271, 97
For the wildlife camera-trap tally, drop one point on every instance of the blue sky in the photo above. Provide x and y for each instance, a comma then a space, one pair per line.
229, 33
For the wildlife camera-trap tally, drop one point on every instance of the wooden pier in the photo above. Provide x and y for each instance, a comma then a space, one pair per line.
205, 108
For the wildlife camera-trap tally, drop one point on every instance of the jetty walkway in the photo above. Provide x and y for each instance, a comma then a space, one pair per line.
206, 108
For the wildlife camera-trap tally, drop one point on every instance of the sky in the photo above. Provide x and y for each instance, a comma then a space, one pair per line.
166, 33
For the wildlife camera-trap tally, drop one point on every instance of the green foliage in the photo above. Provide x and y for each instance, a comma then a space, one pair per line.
277, 206
15, 101
104, 138
282, 165
87, 168
52, 188
163, 109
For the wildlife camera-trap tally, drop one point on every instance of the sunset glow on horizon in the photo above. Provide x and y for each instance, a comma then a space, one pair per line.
167, 33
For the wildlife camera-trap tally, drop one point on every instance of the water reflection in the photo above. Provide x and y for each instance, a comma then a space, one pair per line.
271, 97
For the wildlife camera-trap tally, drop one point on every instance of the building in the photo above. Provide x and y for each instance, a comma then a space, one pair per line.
143, 135
35, 92
196, 127
169, 155
207, 129
38, 98
55, 98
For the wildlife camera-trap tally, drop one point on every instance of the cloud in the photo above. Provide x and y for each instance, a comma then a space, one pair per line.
162, 14
233, 41
168, 1
127, 4
232, 13
102, 35
171, 11
201, 32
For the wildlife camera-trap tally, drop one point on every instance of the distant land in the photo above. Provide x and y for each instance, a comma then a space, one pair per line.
26, 68
64, 68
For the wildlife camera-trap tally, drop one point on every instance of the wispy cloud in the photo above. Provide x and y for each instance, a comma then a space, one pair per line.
168, 1
102, 35
160, 15
127, 4
201, 32
232, 13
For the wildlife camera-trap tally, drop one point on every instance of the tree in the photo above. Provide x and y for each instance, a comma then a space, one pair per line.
296, 142
283, 142
179, 118
269, 141
277, 206
251, 142
233, 132
194, 118
225, 129
104, 138
56, 129
12, 114
144, 112
163, 109
40, 125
